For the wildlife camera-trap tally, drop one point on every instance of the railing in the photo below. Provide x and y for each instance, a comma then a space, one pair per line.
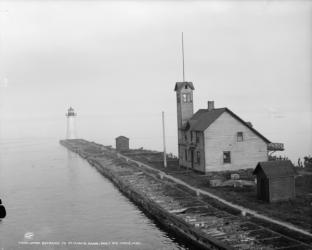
273, 146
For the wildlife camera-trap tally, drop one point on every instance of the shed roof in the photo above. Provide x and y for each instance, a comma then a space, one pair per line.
203, 118
275, 168
180, 85
122, 137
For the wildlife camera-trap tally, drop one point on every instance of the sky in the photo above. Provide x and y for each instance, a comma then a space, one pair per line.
116, 64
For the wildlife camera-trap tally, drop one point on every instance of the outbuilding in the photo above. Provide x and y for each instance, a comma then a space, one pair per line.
122, 143
275, 180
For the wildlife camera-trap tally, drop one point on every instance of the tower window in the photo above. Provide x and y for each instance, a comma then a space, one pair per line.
240, 136
178, 98
227, 157
187, 98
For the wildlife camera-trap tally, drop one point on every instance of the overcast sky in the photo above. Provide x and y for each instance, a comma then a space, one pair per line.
116, 63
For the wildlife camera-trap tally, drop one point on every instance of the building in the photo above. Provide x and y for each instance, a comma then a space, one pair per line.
71, 124
275, 180
215, 139
122, 143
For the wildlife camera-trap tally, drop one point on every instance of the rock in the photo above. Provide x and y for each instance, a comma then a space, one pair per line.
235, 176
215, 182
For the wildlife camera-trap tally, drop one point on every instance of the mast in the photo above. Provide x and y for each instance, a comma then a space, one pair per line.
183, 58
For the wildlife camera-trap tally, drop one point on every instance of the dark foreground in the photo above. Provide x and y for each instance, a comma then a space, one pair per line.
198, 219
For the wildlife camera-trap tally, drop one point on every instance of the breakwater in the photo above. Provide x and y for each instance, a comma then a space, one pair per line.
179, 209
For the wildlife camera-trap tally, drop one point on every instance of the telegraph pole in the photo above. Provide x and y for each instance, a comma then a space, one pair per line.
164, 139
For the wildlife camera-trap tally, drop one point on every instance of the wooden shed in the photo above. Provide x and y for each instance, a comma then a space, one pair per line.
275, 180
122, 143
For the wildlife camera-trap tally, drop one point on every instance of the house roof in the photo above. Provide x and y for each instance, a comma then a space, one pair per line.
275, 168
180, 85
203, 118
122, 137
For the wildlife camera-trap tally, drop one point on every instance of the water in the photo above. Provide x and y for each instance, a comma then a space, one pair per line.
52, 195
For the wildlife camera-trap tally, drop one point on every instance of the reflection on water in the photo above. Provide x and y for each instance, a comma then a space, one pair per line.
52, 195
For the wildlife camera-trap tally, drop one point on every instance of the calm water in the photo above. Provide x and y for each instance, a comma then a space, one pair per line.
55, 196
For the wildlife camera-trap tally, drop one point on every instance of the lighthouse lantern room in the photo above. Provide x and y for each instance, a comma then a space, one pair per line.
71, 126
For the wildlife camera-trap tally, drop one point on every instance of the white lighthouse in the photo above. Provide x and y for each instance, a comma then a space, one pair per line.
71, 126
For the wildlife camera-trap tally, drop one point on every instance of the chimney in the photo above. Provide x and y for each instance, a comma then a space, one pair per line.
210, 105
249, 124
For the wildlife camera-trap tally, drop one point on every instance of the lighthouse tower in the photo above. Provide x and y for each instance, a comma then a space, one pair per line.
71, 126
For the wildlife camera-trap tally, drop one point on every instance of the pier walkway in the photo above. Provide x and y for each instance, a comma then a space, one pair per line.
198, 191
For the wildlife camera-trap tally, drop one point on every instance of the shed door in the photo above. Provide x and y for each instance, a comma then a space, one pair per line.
264, 189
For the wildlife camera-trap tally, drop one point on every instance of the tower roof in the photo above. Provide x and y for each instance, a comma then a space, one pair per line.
180, 85
70, 112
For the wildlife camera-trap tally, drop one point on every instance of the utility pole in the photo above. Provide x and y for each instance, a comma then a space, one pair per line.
183, 58
164, 139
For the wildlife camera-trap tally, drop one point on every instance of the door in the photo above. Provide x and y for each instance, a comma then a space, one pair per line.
192, 158
264, 189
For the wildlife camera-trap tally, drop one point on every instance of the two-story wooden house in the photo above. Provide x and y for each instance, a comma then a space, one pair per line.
215, 139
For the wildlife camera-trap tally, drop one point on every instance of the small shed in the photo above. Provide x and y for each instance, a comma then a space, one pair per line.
122, 143
275, 180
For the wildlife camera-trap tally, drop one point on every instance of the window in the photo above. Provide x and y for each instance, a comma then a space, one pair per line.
191, 136
178, 98
240, 136
185, 154
185, 136
227, 157
187, 98
198, 157
197, 137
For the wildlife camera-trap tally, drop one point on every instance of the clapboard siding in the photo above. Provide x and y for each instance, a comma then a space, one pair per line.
282, 188
222, 136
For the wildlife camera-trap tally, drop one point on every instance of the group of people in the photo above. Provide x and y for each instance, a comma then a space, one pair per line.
306, 163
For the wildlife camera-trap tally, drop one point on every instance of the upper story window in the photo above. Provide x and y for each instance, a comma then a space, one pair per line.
197, 137
178, 98
185, 154
240, 136
187, 98
185, 136
227, 157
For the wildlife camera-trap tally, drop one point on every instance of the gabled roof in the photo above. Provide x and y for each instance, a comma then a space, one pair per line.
121, 136
203, 118
180, 85
275, 168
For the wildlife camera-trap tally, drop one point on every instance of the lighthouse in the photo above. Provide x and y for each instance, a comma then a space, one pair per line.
71, 126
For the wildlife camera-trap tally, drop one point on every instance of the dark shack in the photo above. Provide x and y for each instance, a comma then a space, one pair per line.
275, 180
122, 143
